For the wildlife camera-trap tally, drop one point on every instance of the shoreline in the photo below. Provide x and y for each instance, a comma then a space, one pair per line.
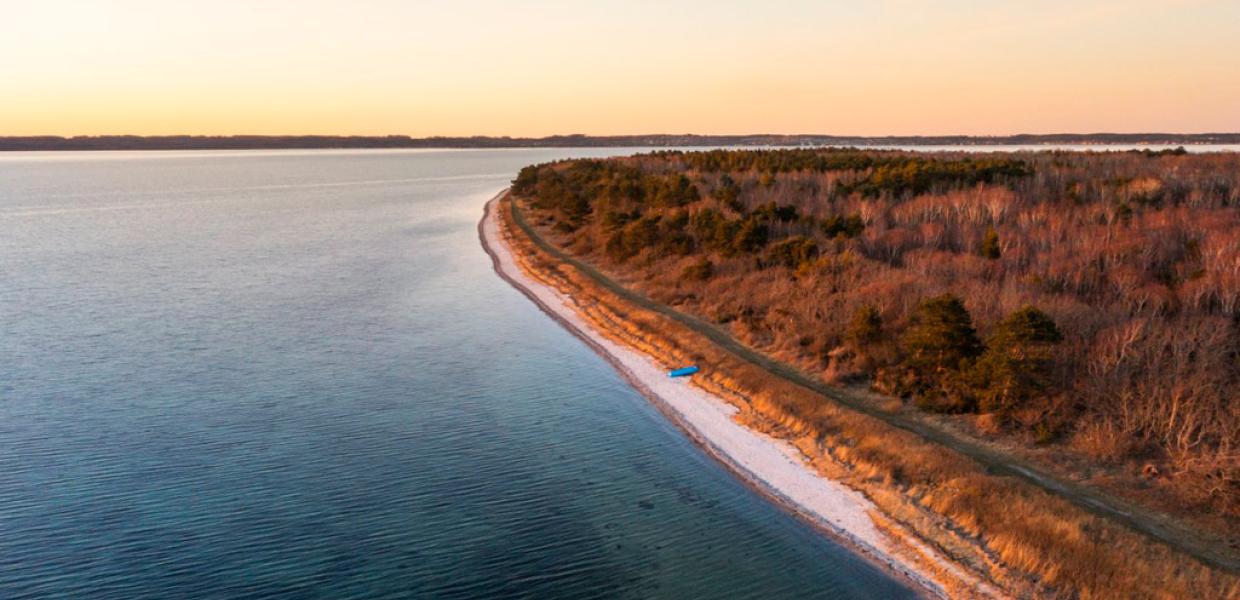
771, 466
106, 142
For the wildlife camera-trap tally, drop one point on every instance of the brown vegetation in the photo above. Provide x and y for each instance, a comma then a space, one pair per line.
1126, 267
1026, 541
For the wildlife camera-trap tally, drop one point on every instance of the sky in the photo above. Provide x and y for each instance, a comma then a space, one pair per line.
600, 67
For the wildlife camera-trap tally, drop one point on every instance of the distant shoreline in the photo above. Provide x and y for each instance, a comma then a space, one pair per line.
305, 142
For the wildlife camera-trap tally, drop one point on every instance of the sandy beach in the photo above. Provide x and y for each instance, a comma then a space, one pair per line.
773, 466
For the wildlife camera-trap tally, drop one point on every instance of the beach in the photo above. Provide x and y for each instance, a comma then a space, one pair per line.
771, 465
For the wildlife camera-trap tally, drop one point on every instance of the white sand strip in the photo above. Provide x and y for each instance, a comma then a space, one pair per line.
773, 466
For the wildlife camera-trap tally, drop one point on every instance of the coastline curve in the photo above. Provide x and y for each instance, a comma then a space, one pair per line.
770, 466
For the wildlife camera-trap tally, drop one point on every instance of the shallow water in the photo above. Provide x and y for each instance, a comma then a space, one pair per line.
294, 374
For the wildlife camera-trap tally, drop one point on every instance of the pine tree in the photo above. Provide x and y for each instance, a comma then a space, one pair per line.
866, 327
1018, 361
938, 346
792, 252
942, 334
751, 237
990, 244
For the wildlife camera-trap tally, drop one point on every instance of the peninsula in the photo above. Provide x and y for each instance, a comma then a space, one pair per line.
1018, 367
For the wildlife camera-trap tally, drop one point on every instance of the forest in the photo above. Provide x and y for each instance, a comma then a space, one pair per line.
1086, 302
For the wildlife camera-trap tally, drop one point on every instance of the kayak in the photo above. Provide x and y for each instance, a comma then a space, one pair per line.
683, 371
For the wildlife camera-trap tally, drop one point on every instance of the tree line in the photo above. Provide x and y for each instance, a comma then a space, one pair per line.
1085, 300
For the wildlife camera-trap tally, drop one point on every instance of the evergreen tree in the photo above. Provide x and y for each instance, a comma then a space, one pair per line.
1018, 360
792, 252
526, 181
941, 336
990, 244
865, 328
843, 226
704, 225
729, 193
938, 346
751, 237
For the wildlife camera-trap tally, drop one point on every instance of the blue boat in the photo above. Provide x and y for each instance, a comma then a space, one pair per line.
683, 371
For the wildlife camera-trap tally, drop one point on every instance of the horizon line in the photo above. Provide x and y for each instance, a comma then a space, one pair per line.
615, 135
54, 143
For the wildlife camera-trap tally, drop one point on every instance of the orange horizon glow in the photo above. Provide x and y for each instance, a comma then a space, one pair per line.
484, 67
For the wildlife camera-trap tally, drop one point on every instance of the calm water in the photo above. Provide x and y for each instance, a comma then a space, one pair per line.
294, 374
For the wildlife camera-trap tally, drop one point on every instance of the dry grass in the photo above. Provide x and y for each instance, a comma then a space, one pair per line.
1022, 539
1132, 255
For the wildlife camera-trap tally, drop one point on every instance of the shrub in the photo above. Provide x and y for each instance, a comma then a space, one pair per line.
633, 238
866, 327
776, 212
792, 252
676, 190
701, 270
849, 226
751, 236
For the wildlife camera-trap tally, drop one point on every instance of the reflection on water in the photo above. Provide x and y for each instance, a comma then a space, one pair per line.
294, 374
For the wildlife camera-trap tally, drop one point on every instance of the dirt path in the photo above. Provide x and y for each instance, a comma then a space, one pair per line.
1093, 500
768, 465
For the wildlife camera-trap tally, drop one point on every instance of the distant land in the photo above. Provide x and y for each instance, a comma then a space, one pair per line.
242, 142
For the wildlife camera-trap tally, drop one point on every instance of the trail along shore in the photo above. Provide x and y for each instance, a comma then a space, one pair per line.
772, 466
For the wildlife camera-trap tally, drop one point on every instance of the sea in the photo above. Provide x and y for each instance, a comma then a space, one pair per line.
294, 374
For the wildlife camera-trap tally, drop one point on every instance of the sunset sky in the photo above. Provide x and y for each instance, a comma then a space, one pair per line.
497, 67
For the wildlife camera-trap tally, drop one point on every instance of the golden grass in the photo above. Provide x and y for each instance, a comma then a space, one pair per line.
1021, 539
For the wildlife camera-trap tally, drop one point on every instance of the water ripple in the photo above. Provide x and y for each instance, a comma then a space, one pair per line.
267, 389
